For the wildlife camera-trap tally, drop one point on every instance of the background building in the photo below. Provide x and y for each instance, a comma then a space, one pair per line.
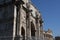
48, 35
57, 38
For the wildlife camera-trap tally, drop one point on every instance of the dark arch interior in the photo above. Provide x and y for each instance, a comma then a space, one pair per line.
23, 33
32, 29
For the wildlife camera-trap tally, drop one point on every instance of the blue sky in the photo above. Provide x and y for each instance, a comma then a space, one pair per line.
50, 10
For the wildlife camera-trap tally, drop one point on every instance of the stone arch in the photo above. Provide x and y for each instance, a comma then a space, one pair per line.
23, 33
32, 29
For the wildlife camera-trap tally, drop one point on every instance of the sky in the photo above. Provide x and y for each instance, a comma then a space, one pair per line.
50, 11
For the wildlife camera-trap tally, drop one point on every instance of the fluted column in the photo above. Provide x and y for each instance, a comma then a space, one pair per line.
28, 28
37, 27
16, 27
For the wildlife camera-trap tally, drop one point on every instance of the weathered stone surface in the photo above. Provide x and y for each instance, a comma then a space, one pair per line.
20, 24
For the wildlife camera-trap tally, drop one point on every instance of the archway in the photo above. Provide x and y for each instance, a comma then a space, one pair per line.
23, 33
32, 30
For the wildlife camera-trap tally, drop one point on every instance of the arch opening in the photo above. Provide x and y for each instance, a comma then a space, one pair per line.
32, 29
23, 33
